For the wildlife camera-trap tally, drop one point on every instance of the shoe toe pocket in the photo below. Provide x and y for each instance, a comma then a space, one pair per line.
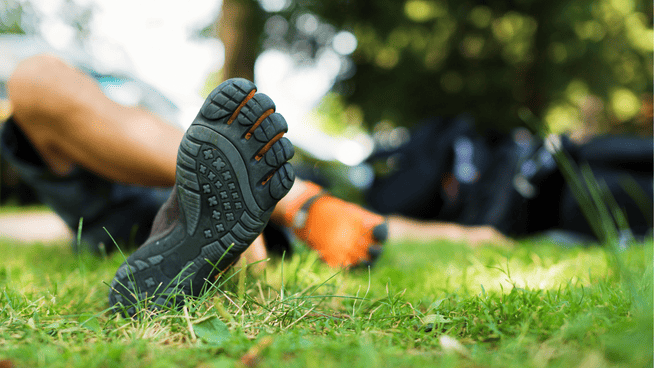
279, 153
374, 251
380, 232
272, 126
281, 181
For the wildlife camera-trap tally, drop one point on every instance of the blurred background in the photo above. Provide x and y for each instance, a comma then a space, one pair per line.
353, 76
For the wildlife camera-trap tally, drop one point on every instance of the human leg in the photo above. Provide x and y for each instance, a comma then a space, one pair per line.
231, 171
125, 211
57, 110
70, 122
86, 156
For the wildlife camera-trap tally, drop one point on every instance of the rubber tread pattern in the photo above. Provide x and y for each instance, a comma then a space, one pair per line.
225, 195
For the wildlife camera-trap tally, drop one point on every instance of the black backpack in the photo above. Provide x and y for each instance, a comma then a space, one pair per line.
447, 171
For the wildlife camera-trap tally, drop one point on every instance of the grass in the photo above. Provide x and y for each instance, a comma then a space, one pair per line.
438, 304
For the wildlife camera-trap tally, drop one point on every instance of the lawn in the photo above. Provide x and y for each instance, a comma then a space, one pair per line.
437, 304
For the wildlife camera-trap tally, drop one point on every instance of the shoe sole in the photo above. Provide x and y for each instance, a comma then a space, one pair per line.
231, 171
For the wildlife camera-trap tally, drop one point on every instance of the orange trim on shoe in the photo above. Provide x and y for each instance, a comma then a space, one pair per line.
343, 233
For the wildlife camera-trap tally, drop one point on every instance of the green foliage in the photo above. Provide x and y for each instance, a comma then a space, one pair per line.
212, 330
20, 17
13, 15
430, 304
570, 62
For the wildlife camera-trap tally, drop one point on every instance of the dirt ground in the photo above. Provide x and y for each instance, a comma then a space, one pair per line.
34, 226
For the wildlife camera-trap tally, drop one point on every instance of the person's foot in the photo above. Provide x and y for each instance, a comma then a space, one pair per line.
343, 233
231, 170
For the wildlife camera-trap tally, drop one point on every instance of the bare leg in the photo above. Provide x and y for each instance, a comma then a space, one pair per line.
345, 234
71, 122
405, 229
232, 168
255, 256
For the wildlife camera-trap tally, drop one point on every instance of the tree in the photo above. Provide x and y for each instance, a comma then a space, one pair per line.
16, 17
240, 27
570, 62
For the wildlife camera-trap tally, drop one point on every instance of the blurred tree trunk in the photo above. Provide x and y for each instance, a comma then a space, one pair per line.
239, 28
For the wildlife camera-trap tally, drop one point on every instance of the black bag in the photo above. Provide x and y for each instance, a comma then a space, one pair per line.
449, 172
